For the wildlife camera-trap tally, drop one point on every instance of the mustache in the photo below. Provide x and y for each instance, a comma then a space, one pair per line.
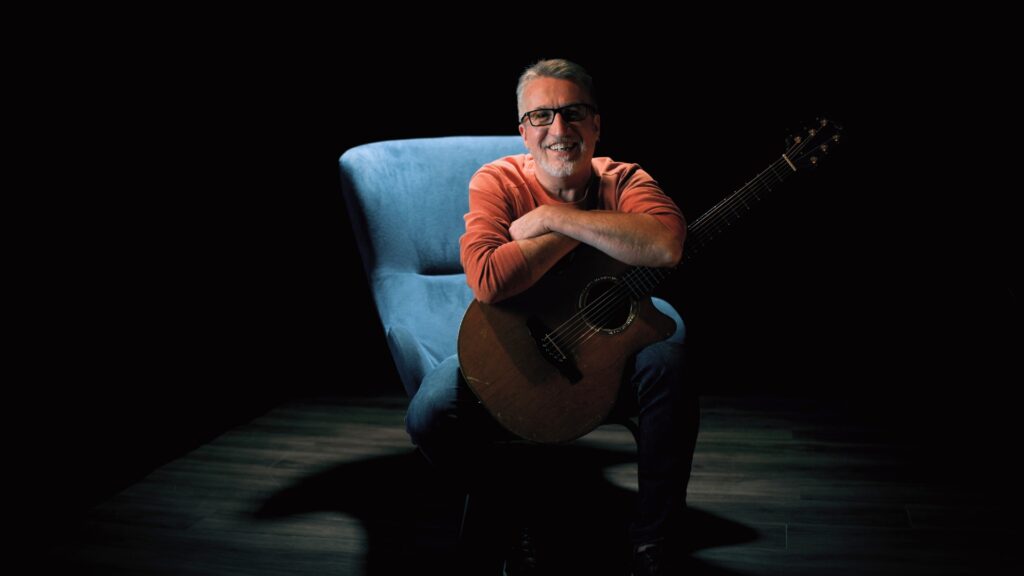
569, 141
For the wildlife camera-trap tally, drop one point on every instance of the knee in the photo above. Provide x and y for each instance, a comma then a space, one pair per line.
659, 368
662, 360
434, 402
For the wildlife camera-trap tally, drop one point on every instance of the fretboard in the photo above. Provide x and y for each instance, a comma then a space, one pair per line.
642, 280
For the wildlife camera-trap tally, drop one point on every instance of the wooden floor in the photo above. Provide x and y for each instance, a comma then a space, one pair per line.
332, 486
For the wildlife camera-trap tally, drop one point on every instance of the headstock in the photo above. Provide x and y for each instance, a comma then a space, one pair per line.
807, 149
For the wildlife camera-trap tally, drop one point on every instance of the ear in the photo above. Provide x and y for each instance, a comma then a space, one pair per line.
597, 126
522, 132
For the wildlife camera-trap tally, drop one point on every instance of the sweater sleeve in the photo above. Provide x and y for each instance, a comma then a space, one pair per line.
494, 264
642, 194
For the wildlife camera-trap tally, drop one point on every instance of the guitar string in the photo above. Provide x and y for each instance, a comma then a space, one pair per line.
617, 295
794, 153
631, 284
583, 330
752, 188
602, 308
711, 222
610, 299
713, 218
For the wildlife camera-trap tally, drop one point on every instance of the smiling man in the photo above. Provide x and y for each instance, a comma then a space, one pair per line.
526, 212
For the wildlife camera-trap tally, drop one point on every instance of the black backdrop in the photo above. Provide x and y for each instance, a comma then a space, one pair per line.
205, 271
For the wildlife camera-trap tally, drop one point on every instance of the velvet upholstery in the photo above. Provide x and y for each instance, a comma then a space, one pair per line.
406, 200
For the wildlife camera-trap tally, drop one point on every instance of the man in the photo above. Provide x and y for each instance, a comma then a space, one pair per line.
527, 212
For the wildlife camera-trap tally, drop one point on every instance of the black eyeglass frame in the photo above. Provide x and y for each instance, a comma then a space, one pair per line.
556, 111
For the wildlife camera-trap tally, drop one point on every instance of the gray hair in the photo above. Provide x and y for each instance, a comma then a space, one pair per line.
555, 68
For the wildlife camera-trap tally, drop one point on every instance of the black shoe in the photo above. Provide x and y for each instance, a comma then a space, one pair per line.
650, 561
522, 558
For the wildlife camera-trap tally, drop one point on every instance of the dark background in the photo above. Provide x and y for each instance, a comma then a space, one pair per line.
200, 267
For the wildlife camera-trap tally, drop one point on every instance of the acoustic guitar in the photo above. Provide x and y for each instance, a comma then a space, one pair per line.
548, 363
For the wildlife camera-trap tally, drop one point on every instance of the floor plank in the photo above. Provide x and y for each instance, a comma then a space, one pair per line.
333, 486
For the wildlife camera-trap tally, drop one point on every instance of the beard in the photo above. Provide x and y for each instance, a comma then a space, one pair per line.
562, 168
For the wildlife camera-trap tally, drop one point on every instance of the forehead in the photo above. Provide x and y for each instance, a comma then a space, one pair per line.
552, 93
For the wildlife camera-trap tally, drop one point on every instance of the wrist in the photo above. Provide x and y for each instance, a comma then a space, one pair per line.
550, 218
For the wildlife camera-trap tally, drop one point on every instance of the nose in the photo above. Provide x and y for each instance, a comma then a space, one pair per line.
558, 125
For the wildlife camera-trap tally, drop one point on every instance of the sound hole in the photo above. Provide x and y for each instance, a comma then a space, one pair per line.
606, 305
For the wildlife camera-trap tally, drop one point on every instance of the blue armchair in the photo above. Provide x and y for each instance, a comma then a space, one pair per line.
406, 200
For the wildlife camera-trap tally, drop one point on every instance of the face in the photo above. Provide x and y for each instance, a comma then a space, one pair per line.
561, 148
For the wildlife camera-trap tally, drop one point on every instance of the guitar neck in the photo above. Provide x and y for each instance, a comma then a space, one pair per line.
642, 280
713, 222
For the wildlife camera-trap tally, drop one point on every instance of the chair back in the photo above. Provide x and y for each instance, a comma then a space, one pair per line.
406, 201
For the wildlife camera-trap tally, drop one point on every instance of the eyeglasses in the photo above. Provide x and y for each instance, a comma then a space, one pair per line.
570, 113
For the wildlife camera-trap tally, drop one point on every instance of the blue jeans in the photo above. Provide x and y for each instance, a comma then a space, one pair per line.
452, 429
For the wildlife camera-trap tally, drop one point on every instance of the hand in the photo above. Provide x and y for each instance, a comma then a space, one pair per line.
531, 224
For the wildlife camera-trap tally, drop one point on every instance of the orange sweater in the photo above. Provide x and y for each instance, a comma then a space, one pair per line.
504, 190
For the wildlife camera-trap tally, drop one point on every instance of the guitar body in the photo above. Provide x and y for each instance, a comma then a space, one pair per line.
559, 388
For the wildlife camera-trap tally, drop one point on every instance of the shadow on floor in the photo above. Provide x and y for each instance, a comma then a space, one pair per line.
412, 517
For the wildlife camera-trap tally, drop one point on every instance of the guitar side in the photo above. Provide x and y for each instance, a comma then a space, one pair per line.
526, 392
